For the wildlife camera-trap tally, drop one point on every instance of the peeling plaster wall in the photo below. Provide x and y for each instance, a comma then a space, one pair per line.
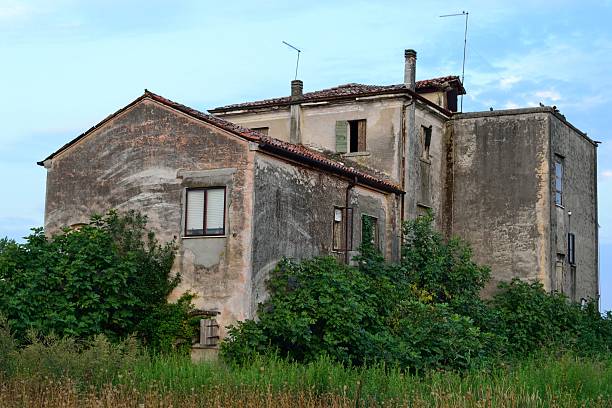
295, 211
143, 159
318, 126
501, 193
277, 120
383, 130
431, 196
580, 197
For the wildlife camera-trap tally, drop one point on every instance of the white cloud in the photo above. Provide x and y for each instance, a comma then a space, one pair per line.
511, 105
549, 95
509, 81
14, 10
606, 173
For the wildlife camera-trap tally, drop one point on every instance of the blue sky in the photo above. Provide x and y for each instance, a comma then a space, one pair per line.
65, 65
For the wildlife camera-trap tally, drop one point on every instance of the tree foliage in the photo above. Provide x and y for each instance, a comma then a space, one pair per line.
423, 312
109, 277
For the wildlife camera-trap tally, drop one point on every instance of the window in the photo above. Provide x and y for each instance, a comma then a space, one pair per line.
357, 133
571, 248
369, 229
209, 332
425, 142
343, 220
559, 180
351, 136
263, 130
205, 212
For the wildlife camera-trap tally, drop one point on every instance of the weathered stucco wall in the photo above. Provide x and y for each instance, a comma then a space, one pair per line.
431, 175
383, 130
579, 156
143, 159
277, 120
294, 213
501, 193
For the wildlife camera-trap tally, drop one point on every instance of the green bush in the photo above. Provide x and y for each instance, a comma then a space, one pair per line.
421, 313
104, 278
368, 313
531, 319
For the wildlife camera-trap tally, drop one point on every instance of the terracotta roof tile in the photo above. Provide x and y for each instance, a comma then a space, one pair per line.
348, 90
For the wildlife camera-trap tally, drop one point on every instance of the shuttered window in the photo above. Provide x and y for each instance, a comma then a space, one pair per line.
341, 135
205, 213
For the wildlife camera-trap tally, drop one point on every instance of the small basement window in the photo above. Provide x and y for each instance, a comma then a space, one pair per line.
205, 212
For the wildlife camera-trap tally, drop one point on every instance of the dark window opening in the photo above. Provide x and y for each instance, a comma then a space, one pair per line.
425, 142
559, 180
357, 135
342, 229
571, 248
205, 211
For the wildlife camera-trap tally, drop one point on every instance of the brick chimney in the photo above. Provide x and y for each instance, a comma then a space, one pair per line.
295, 126
410, 69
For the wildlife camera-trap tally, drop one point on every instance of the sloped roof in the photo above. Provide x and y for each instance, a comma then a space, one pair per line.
300, 153
350, 90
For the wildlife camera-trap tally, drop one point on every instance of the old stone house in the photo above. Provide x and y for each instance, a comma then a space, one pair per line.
296, 176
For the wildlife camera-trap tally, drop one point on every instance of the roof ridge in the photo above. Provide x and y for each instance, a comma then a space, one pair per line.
266, 142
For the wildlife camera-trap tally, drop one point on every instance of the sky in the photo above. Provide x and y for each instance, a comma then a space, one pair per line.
65, 65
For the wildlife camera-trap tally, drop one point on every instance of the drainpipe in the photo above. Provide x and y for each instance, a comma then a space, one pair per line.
349, 187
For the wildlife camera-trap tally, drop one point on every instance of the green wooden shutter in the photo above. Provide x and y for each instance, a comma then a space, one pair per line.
341, 134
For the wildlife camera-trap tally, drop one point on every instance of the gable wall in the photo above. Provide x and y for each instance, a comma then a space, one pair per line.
143, 159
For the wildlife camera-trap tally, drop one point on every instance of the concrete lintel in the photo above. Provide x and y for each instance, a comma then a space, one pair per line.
204, 178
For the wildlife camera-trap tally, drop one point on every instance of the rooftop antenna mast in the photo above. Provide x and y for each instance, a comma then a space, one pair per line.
466, 14
298, 57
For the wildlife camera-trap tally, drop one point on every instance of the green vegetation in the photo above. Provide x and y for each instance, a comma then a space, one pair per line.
420, 314
109, 277
87, 323
60, 372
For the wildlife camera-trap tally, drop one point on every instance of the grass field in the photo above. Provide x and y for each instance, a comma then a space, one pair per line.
38, 380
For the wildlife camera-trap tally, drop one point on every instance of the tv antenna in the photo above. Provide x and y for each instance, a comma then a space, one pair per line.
466, 14
298, 56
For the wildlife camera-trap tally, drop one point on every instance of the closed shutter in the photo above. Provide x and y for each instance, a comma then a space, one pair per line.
195, 212
215, 209
361, 138
341, 136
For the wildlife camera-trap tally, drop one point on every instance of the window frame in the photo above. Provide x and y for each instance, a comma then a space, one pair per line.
345, 223
361, 139
559, 162
571, 248
204, 215
376, 236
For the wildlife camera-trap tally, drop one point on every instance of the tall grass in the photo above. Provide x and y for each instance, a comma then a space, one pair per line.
58, 372
54, 372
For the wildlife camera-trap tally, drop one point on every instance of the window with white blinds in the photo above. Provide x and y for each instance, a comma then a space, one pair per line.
205, 213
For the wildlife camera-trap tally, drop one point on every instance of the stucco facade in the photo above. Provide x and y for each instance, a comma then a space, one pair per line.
279, 201
299, 173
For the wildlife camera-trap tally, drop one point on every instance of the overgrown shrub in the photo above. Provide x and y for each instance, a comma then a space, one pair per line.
103, 278
422, 313
531, 318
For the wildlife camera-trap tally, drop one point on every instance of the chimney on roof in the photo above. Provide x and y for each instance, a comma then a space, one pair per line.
297, 89
410, 69
295, 124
